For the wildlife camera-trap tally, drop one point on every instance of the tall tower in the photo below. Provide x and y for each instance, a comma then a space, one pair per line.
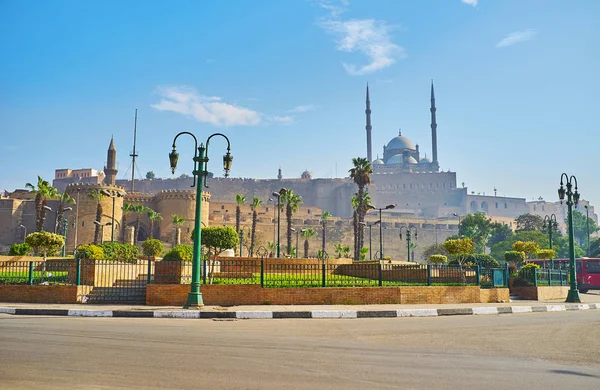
368, 127
433, 129
110, 170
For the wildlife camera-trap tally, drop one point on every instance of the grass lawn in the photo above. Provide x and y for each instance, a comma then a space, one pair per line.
22, 277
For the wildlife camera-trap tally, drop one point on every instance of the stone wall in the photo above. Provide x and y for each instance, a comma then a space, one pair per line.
541, 293
42, 294
229, 295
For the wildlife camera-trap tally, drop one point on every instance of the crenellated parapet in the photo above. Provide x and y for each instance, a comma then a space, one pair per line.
181, 195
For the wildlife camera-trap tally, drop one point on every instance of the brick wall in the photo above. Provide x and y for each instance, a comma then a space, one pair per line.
491, 295
541, 293
42, 294
228, 295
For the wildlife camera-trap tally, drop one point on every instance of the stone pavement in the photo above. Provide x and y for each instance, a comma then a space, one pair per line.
590, 301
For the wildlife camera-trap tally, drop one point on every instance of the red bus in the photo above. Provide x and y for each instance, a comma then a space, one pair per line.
587, 270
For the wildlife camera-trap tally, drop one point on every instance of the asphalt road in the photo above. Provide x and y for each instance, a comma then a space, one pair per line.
521, 351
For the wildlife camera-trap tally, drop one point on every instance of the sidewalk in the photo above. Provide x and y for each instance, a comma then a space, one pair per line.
589, 302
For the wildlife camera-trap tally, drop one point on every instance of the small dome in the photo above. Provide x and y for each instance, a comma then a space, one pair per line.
412, 160
425, 160
377, 162
400, 142
397, 159
306, 175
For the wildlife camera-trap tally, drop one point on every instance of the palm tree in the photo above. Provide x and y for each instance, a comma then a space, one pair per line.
256, 202
240, 200
346, 251
178, 222
65, 199
360, 175
97, 195
127, 208
138, 209
271, 245
326, 215
306, 234
291, 201
154, 217
355, 201
339, 249
43, 192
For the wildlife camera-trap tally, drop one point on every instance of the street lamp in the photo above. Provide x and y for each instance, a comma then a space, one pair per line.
572, 199
47, 208
409, 230
113, 195
458, 216
278, 196
370, 226
388, 207
551, 224
25, 229
587, 225
200, 172
297, 236
102, 231
272, 200
65, 221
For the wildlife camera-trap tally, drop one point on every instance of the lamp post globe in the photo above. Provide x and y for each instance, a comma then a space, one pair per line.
572, 194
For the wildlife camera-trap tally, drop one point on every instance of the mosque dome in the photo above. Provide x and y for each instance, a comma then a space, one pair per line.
377, 162
306, 175
400, 142
425, 160
397, 159
412, 160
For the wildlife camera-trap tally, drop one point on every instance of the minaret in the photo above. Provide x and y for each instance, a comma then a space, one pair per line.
110, 170
368, 127
279, 175
433, 129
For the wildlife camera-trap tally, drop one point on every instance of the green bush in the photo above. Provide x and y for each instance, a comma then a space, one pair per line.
90, 251
525, 270
124, 253
514, 257
45, 243
179, 253
485, 261
19, 249
438, 259
152, 247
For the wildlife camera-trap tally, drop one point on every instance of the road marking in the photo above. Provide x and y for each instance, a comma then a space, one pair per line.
334, 314
89, 313
485, 310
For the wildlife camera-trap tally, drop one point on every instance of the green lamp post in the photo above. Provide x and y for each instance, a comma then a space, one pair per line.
409, 231
388, 207
200, 172
278, 195
551, 224
572, 199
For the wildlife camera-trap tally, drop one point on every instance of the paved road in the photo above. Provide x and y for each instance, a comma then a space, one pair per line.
521, 351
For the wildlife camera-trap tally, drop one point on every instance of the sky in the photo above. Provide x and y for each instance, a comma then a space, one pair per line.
516, 86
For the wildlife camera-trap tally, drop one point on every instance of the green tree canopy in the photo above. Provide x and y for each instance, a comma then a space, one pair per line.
580, 226
499, 232
478, 228
459, 249
514, 257
150, 175
530, 222
531, 248
219, 238
434, 249
497, 251
44, 242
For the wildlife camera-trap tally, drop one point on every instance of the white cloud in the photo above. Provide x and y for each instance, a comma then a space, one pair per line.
335, 7
284, 120
304, 108
208, 109
367, 36
517, 37
471, 2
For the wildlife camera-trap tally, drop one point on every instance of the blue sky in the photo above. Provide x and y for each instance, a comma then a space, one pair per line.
516, 86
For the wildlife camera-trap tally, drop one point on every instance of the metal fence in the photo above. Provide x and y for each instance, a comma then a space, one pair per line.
37, 272
124, 281
542, 277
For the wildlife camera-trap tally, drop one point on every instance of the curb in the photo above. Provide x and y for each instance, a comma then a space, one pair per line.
317, 314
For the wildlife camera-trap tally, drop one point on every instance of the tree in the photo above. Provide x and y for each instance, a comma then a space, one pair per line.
127, 208
64, 200
218, 239
97, 195
437, 259
580, 225
150, 175
546, 254
530, 248
530, 222
478, 228
356, 202
256, 202
177, 222
44, 242
459, 249
154, 217
306, 234
515, 257
184, 176
499, 232
240, 200
291, 201
595, 248
360, 174
339, 250
152, 247
497, 251
324, 218
43, 191
435, 249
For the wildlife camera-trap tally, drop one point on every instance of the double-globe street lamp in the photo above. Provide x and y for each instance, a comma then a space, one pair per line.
409, 231
370, 226
278, 195
388, 207
572, 199
113, 195
200, 172
551, 224
298, 238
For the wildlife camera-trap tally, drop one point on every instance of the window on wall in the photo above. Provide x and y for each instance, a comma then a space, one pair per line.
505, 205
266, 209
222, 207
496, 204
308, 211
82, 223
